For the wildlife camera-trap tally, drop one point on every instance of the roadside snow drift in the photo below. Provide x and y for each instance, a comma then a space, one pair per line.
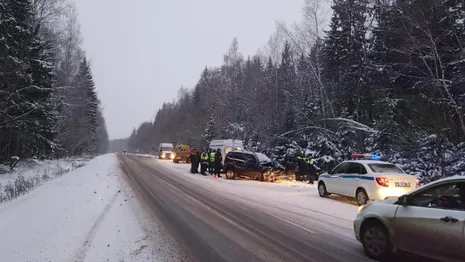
89, 214
31, 173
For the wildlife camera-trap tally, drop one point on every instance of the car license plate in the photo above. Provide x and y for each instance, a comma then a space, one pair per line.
402, 184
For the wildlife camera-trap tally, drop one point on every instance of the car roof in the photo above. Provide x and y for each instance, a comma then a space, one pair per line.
242, 151
456, 177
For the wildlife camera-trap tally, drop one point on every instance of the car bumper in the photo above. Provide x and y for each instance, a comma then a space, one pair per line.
357, 225
166, 156
386, 193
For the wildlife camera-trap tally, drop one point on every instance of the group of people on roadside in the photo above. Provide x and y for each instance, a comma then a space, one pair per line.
307, 167
208, 159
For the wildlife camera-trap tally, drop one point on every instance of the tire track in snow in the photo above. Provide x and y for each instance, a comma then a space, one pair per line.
82, 252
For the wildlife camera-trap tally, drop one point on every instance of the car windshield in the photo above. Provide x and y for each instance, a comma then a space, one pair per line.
166, 149
385, 168
262, 158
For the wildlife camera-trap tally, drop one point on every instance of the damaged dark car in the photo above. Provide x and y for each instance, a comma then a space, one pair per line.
251, 165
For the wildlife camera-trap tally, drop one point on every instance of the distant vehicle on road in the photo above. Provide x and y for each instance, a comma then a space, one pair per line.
182, 153
429, 222
166, 151
249, 164
226, 146
366, 180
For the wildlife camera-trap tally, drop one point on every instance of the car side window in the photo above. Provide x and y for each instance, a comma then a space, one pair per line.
251, 160
340, 169
356, 168
231, 155
449, 196
239, 157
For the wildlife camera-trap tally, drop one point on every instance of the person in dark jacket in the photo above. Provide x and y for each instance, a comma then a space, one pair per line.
218, 164
197, 164
194, 162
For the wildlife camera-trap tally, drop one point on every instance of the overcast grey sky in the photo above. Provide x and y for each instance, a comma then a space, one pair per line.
142, 51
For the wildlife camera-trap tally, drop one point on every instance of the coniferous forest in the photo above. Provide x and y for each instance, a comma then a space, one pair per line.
48, 103
384, 76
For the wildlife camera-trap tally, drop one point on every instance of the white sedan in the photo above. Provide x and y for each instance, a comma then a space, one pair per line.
366, 180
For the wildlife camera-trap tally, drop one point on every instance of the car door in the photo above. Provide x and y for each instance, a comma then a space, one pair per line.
352, 178
251, 166
239, 163
432, 222
335, 183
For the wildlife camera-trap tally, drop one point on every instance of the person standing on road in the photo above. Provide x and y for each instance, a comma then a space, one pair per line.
211, 165
218, 164
197, 164
204, 162
303, 168
194, 161
311, 169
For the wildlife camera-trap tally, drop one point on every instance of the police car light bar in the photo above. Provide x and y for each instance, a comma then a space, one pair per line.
366, 156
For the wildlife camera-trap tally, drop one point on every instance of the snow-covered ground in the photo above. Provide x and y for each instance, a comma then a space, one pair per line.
89, 214
30, 173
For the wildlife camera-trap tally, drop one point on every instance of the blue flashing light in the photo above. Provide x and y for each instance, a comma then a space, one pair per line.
366, 156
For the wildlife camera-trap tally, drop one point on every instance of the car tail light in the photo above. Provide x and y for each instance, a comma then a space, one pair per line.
418, 182
382, 181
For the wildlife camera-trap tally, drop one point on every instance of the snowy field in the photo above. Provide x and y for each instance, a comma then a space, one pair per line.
30, 173
89, 214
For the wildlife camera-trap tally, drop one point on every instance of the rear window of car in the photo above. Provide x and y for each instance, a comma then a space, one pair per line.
385, 168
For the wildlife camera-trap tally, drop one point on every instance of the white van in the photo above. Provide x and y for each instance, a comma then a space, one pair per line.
166, 151
226, 145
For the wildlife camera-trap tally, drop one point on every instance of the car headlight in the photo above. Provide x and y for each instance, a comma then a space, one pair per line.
361, 208
163, 155
173, 156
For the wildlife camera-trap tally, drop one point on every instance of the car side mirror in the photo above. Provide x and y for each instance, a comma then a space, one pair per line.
403, 200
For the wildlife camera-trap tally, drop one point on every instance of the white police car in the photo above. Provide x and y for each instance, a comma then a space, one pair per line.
366, 178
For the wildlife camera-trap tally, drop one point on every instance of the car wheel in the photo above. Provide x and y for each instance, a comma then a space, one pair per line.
265, 176
375, 240
361, 197
322, 189
230, 174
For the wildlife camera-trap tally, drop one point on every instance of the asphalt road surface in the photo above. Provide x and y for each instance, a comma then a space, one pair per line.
212, 226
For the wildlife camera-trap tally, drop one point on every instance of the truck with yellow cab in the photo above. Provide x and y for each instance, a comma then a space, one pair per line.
182, 154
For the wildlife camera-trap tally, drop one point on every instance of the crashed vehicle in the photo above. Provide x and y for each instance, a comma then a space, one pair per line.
252, 165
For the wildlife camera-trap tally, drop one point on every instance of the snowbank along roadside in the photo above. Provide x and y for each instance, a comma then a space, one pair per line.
89, 214
30, 173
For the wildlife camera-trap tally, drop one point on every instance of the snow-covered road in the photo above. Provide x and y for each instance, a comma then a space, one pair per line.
242, 220
89, 214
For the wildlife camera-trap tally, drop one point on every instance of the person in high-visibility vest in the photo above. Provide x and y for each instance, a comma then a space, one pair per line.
211, 165
311, 169
204, 162
303, 168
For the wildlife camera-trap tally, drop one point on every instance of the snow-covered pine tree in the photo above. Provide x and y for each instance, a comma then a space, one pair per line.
210, 129
287, 96
101, 134
26, 85
86, 110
